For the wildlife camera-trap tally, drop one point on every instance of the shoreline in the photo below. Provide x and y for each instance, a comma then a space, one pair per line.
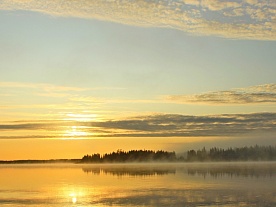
78, 161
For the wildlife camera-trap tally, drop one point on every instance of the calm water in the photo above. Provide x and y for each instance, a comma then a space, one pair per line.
217, 184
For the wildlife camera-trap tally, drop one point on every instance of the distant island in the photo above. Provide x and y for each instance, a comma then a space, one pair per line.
253, 153
256, 153
131, 156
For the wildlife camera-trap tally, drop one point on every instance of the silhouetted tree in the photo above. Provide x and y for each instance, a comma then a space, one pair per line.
132, 156
254, 153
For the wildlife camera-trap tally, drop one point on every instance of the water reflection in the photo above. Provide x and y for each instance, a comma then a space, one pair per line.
130, 171
74, 197
191, 169
149, 185
232, 170
182, 197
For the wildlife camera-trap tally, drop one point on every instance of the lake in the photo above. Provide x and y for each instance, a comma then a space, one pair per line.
183, 184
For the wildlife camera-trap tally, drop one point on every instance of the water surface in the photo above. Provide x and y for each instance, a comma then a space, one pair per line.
185, 184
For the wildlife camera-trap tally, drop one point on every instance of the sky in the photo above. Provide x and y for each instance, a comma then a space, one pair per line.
80, 77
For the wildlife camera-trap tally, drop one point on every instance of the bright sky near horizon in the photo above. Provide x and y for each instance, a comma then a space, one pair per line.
81, 76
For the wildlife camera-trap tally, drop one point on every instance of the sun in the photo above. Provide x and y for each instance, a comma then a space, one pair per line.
74, 132
77, 128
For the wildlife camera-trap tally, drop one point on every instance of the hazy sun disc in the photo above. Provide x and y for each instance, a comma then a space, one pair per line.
75, 132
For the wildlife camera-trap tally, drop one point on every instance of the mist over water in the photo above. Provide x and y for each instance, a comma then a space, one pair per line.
185, 184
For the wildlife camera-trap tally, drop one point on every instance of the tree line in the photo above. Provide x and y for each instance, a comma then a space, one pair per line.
131, 156
253, 153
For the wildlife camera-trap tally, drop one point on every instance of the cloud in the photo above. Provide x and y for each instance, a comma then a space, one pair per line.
159, 125
199, 17
42, 89
261, 94
216, 5
52, 87
43, 86
251, 1
192, 2
181, 125
48, 90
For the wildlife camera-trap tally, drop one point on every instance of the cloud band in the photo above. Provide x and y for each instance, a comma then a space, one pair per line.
235, 19
261, 94
161, 125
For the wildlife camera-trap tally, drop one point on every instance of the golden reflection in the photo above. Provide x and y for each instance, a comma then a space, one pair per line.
74, 198
68, 185
77, 195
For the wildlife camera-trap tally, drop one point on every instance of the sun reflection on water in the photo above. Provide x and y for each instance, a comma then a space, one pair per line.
74, 197
149, 185
74, 200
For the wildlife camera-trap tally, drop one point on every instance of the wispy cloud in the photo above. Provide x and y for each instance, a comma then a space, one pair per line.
241, 19
159, 125
43, 86
261, 94
41, 89
52, 87
49, 90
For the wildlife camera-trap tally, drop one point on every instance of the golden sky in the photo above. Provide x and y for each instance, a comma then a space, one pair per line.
84, 76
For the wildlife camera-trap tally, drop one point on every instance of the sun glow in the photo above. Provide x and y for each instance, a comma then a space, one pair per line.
80, 117
75, 132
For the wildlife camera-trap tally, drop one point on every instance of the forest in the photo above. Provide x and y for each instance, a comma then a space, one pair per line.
253, 153
132, 156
